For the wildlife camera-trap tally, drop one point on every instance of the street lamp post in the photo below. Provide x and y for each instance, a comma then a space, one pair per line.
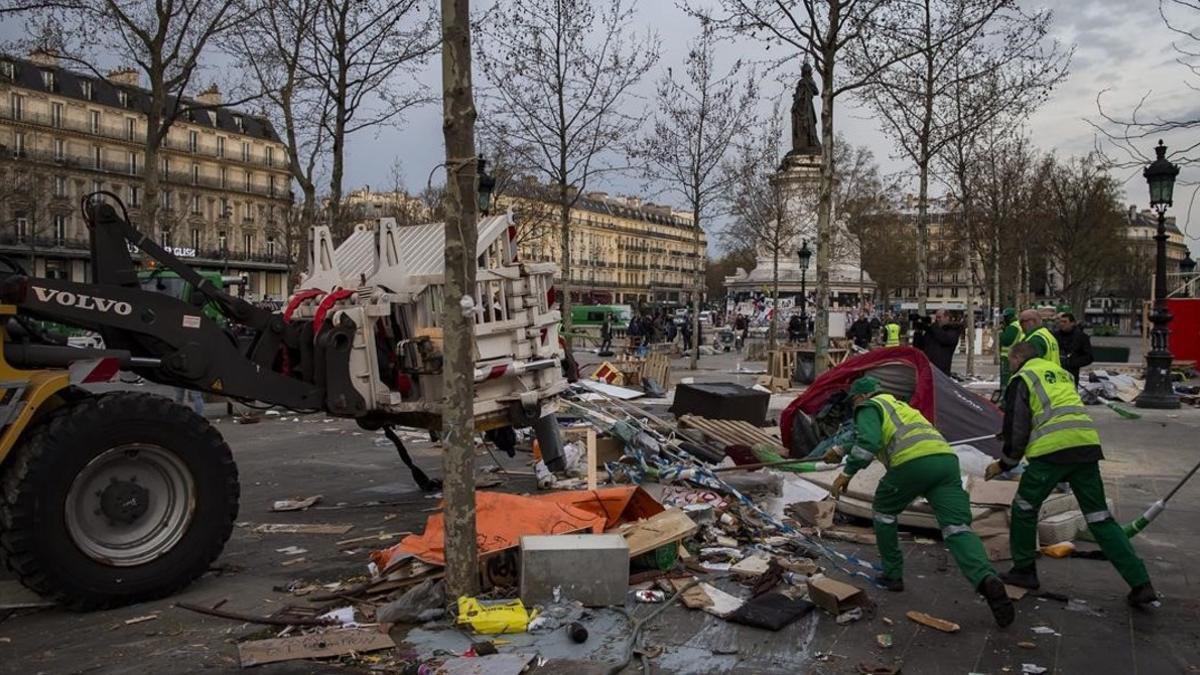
804, 254
1159, 393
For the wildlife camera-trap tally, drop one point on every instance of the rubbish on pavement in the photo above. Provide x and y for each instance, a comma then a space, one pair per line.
248, 618
723, 604
649, 596
418, 604
1045, 630
291, 550
490, 664
301, 528
317, 645
614, 391
1032, 669
835, 597
1015, 592
1060, 527
751, 566
1025, 644
662, 528
1060, 550
850, 533
493, 618
884, 640
728, 432
578, 633
295, 504
141, 619
933, 622
342, 616
590, 568
850, 616
874, 669
1082, 606
772, 611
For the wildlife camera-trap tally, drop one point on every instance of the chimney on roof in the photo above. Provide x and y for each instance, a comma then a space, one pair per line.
124, 76
44, 56
210, 96
1133, 213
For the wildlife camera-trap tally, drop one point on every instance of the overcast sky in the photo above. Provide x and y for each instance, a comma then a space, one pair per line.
1121, 46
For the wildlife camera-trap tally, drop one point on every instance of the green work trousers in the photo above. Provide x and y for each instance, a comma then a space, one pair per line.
937, 479
1039, 479
1005, 374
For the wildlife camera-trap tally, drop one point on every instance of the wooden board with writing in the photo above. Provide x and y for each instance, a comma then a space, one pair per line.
315, 646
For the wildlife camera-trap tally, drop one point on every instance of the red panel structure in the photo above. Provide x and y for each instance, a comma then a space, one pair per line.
1184, 339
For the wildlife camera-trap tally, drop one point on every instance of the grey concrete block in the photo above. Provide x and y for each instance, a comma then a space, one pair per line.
590, 568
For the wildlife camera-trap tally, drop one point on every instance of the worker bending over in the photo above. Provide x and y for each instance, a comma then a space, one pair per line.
1045, 422
1039, 336
920, 463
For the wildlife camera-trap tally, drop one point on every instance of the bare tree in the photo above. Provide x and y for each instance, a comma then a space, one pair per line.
865, 202
562, 74
823, 31
165, 40
974, 60
272, 44
1081, 223
697, 120
756, 204
458, 419
355, 53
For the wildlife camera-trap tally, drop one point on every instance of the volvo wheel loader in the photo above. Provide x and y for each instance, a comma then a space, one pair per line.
120, 497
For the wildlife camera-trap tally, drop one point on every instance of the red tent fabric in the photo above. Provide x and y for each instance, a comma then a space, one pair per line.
949, 406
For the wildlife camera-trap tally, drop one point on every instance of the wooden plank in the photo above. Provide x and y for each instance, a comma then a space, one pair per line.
315, 646
591, 458
662, 528
302, 528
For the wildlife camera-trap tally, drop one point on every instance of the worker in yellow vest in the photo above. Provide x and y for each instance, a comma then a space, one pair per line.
1037, 334
920, 463
1011, 335
891, 332
1045, 422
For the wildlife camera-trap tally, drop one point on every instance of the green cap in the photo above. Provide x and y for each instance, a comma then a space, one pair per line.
864, 385
1010, 313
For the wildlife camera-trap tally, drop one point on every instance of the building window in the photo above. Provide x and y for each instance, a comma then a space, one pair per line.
60, 229
60, 150
248, 181
8, 69
133, 164
123, 98
60, 186
224, 208
195, 205
96, 156
86, 87
247, 212
48, 80
97, 186
193, 141
195, 174
135, 195
166, 166
18, 144
22, 227
224, 177
271, 246
220, 146
248, 243
130, 128
245, 151
18, 106
195, 238
237, 122
272, 185
270, 156
222, 241
56, 115
164, 199
165, 238
95, 121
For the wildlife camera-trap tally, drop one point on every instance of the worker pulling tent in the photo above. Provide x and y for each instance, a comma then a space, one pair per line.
904, 372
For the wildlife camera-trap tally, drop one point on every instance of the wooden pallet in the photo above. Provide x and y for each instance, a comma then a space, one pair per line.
732, 432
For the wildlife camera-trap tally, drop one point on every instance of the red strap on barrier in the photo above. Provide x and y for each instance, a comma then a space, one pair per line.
326, 304
297, 298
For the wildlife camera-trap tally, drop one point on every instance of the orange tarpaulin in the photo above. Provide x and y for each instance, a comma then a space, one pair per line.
501, 520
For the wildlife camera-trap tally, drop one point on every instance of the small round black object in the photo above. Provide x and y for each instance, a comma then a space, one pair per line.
577, 632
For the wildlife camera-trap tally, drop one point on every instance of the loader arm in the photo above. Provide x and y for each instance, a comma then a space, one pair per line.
170, 341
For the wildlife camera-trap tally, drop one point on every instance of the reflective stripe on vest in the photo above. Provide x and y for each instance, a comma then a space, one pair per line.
893, 335
1020, 336
1051, 345
1059, 419
907, 435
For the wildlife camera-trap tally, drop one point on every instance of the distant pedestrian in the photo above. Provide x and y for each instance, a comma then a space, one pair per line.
860, 331
941, 341
606, 331
1074, 345
795, 328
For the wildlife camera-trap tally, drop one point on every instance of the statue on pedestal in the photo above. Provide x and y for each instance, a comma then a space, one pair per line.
805, 140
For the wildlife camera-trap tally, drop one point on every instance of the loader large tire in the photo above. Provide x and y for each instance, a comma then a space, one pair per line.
116, 499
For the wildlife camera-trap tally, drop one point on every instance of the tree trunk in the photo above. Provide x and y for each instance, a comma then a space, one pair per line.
824, 212
773, 325
970, 321
697, 288
923, 238
458, 419
564, 231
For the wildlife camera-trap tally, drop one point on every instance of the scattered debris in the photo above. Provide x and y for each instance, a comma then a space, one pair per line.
291, 550
850, 616
301, 528
884, 640
508, 616
141, 619
1032, 669
317, 645
490, 664
649, 596
296, 504
1046, 630
933, 622
1025, 644
1015, 592
772, 611
551, 564
834, 596
248, 618
577, 632
1082, 606
873, 669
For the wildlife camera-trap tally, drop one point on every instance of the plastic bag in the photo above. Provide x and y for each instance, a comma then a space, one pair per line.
493, 618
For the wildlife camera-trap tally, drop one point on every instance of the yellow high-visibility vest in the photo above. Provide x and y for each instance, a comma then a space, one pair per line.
907, 435
891, 333
1059, 419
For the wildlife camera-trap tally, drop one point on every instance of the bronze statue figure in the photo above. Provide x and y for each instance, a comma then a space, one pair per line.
805, 140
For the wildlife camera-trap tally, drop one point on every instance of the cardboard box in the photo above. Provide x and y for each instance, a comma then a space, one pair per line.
816, 514
835, 596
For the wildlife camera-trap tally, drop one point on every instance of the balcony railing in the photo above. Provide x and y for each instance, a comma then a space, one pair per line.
119, 133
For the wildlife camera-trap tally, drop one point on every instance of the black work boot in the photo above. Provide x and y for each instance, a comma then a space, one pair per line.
1024, 577
1142, 596
992, 590
893, 585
